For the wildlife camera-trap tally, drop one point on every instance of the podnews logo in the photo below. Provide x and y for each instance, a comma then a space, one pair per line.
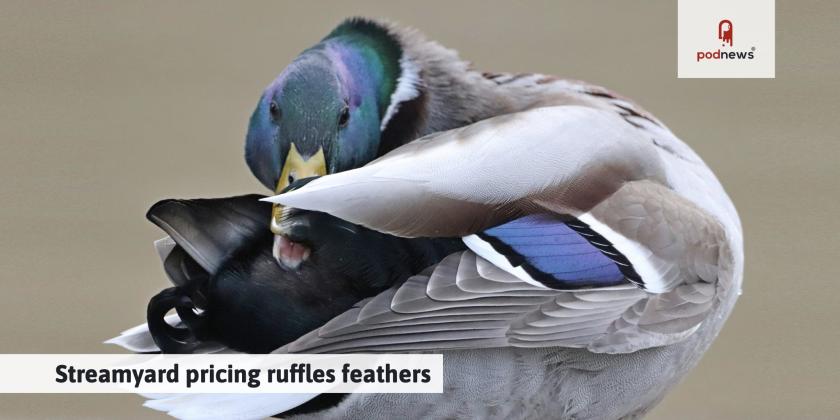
726, 39
725, 34
725, 31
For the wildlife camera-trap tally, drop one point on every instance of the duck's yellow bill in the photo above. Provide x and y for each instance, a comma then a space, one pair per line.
296, 167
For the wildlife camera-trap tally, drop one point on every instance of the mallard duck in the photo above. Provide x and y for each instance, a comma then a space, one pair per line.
603, 254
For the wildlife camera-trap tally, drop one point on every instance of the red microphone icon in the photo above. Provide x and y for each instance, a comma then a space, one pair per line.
725, 31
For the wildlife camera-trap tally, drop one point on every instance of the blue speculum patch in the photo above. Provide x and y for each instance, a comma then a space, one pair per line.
562, 253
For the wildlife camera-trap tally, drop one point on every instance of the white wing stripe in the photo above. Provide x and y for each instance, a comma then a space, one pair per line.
650, 269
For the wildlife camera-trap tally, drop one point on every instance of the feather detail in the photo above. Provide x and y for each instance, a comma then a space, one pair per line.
560, 253
408, 88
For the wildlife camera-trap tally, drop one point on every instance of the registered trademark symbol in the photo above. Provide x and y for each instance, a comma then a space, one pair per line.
753, 48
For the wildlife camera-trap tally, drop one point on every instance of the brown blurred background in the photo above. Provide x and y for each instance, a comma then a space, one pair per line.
106, 107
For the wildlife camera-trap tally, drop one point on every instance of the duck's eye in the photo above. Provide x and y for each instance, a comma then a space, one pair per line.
344, 117
274, 110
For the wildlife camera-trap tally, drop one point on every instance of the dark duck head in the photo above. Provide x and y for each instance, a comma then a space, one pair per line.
365, 89
327, 111
230, 290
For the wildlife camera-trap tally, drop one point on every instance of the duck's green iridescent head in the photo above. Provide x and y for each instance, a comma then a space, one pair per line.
326, 111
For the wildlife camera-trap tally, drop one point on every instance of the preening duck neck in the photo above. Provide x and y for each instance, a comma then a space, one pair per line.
437, 91
445, 92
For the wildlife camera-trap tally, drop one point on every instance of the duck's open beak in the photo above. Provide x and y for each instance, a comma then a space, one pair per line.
287, 252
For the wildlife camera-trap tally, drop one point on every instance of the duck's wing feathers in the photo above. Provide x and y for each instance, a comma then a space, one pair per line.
575, 239
462, 181
536, 291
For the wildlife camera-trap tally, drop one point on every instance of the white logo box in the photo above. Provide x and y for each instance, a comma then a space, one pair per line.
705, 30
